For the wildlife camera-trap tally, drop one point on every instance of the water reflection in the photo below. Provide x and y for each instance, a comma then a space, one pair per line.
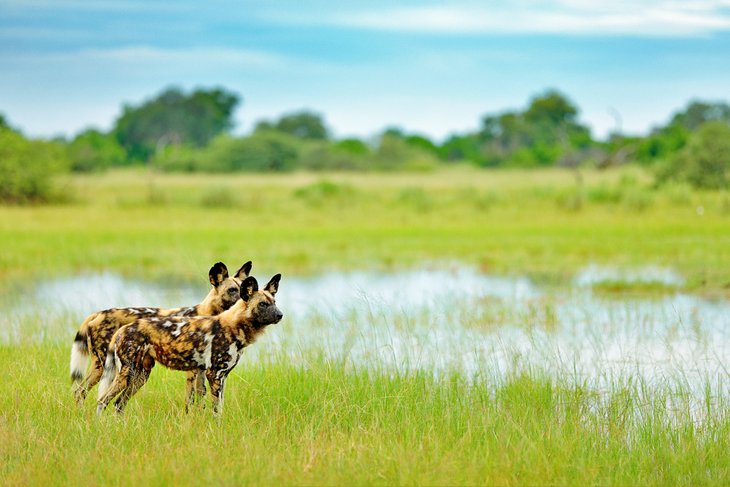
438, 319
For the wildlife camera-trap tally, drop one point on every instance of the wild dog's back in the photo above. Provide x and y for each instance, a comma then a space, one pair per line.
180, 343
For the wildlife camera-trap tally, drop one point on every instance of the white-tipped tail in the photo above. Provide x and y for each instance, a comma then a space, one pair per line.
79, 361
110, 372
79, 356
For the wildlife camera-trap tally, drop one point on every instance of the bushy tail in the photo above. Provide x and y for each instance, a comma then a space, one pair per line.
110, 372
80, 351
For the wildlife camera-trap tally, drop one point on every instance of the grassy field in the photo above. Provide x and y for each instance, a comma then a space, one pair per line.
298, 416
537, 223
321, 423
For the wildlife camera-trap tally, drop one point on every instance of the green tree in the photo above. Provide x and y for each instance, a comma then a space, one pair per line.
174, 118
394, 152
552, 109
705, 161
662, 143
270, 151
303, 125
3, 122
665, 142
699, 112
352, 146
461, 148
421, 142
27, 167
92, 150
545, 133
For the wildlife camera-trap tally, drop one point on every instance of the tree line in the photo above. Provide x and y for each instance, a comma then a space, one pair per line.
179, 131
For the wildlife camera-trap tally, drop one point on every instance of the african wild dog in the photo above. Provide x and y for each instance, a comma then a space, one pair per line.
212, 345
97, 330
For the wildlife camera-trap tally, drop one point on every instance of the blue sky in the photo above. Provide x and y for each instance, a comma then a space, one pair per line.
432, 68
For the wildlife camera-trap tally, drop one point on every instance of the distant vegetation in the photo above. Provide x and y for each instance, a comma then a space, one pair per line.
191, 132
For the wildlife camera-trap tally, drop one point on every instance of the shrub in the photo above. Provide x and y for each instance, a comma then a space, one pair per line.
678, 193
393, 152
637, 199
264, 151
326, 157
218, 197
27, 167
94, 151
323, 191
704, 162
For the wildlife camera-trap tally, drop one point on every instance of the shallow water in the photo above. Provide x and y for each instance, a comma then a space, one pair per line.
440, 319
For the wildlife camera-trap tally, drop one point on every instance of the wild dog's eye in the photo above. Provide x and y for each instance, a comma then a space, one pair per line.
263, 304
232, 290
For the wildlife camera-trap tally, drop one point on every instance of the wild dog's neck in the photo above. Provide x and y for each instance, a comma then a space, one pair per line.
210, 306
236, 315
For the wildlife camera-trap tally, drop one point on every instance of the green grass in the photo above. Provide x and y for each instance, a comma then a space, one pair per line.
505, 222
322, 423
635, 288
297, 418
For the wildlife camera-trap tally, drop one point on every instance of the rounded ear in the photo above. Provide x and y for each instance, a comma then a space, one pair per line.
273, 284
218, 273
244, 271
249, 286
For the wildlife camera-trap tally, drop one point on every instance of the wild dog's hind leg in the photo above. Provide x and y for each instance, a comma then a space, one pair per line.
136, 382
200, 384
138, 377
92, 378
120, 383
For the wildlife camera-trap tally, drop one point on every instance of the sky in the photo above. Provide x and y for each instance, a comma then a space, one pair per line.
433, 68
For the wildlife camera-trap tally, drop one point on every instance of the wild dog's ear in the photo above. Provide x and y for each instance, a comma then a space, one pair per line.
248, 287
244, 271
273, 284
218, 273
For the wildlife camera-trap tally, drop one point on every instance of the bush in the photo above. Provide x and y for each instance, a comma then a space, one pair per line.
604, 194
678, 193
393, 153
266, 151
178, 158
218, 197
94, 151
326, 157
27, 167
637, 199
261, 152
322, 191
704, 162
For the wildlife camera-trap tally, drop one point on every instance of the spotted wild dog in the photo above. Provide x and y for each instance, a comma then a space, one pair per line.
211, 345
97, 330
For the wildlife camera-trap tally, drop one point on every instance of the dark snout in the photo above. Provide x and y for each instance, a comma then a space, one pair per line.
278, 316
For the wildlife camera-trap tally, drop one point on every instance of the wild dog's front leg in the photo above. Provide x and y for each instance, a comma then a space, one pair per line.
194, 387
217, 381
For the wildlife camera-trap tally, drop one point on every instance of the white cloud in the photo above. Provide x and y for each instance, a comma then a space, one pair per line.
572, 17
156, 56
194, 56
93, 5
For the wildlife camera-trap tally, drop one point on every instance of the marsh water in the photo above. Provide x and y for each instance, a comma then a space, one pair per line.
438, 319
